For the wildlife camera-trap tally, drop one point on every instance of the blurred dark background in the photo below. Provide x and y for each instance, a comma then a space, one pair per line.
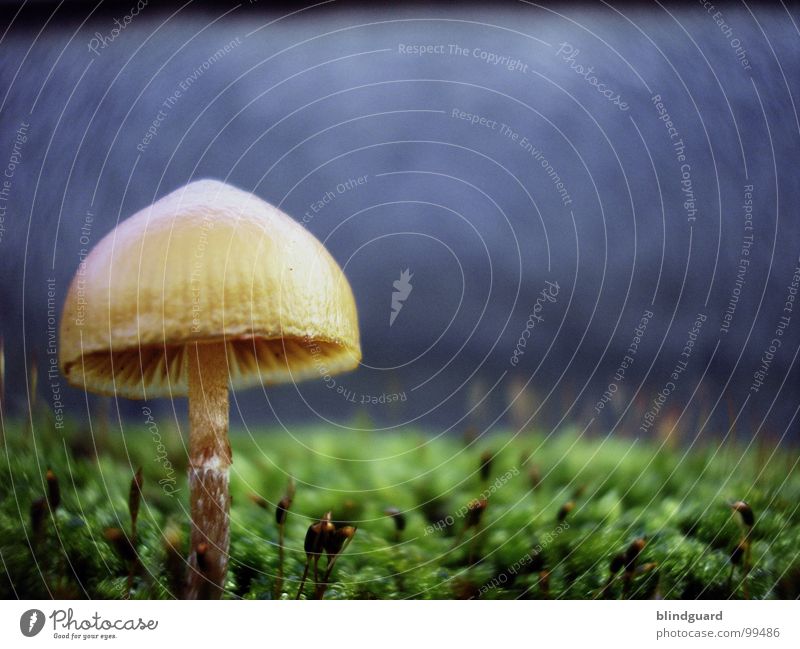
584, 187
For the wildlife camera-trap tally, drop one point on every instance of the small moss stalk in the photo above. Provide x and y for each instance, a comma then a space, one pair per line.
281, 513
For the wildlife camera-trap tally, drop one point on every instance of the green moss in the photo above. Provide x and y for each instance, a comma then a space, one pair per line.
678, 501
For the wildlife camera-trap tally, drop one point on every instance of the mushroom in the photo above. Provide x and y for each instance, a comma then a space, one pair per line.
208, 287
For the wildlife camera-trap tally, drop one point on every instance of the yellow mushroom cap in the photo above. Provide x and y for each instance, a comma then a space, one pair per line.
206, 263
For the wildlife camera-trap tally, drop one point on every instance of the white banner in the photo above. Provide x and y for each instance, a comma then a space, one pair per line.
406, 624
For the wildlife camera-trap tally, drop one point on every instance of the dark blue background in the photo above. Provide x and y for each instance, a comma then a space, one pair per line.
307, 101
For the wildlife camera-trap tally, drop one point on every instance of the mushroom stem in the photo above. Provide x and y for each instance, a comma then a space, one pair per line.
209, 459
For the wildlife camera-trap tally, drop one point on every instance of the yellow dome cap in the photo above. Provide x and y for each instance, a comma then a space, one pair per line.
206, 263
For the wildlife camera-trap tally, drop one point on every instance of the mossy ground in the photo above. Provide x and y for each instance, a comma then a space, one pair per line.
677, 499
